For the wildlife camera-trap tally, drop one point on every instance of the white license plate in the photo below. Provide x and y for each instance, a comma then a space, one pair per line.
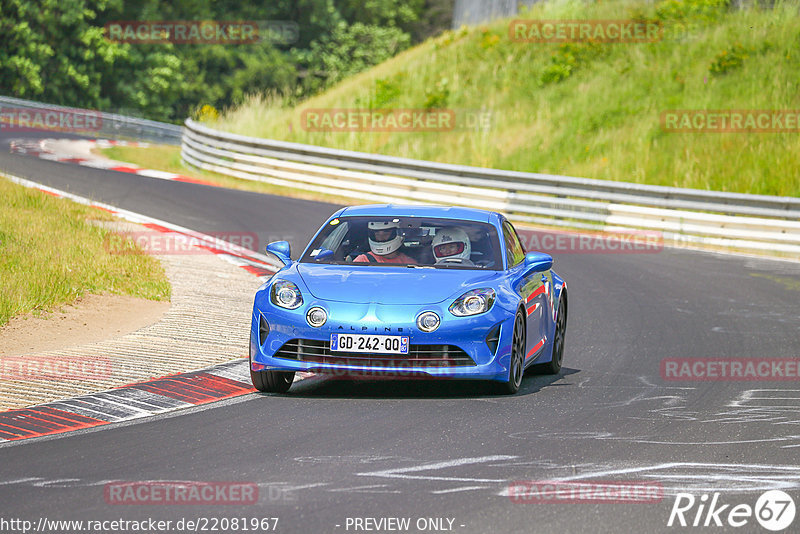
368, 343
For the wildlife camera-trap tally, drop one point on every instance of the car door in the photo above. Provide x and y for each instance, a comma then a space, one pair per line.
534, 287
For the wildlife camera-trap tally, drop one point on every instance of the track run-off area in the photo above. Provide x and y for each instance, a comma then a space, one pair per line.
337, 455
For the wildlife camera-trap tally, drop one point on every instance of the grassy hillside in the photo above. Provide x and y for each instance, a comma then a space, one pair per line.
584, 109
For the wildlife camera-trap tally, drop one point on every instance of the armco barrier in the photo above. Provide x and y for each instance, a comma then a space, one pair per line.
107, 125
687, 216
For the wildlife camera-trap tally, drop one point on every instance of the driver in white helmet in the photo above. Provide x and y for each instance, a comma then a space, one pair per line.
384, 243
452, 245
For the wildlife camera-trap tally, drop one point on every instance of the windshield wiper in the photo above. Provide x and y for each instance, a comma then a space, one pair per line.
412, 266
462, 266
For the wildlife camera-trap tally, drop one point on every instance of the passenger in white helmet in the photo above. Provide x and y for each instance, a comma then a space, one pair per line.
384, 243
452, 246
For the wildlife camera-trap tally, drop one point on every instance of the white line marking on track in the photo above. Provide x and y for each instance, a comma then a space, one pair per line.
454, 490
374, 488
670, 465
58, 483
19, 481
151, 173
701, 477
304, 486
401, 471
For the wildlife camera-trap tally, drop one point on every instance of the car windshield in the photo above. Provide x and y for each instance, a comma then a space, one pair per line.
412, 242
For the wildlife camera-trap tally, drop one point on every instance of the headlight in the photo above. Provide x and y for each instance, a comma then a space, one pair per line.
428, 321
473, 302
286, 295
316, 317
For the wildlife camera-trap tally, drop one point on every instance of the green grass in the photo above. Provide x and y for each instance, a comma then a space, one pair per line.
161, 157
52, 254
589, 110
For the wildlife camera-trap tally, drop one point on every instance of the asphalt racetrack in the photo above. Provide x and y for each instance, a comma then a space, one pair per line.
339, 456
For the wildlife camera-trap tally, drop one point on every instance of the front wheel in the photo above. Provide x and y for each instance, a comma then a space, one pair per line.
272, 381
516, 365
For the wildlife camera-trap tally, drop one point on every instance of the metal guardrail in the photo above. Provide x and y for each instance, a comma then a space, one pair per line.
466, 12
109, 125
755, 222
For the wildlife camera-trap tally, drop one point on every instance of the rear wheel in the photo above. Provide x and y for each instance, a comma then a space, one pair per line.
272, 381
516, 365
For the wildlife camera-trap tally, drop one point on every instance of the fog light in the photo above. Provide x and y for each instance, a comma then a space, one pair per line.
428, 321
316, 317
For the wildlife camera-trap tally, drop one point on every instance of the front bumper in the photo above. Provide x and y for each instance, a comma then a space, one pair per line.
292, 345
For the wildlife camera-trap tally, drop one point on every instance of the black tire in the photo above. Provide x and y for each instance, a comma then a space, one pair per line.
516, 365
553, 367
272, 381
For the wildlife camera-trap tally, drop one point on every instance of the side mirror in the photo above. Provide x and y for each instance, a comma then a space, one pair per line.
538, 261
281, 250
323, 254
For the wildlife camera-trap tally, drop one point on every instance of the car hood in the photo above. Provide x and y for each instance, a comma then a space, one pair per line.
390, 285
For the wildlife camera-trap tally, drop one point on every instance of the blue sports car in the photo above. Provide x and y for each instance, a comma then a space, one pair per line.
412, 291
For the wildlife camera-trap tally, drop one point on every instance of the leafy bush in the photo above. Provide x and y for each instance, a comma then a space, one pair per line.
566, 59
682, 10
206, 113
728, 60
349, 50
436, 97
57, 52
387, 90
489, 39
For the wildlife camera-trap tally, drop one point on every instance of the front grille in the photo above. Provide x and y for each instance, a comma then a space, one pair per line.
315, 351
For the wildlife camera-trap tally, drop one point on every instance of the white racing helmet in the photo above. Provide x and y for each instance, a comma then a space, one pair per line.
387, 246
450, 236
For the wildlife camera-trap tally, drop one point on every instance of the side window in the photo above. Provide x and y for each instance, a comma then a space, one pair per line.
514, 250
335, 238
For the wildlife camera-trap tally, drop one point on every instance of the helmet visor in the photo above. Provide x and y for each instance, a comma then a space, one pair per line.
448, 249
381, 236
